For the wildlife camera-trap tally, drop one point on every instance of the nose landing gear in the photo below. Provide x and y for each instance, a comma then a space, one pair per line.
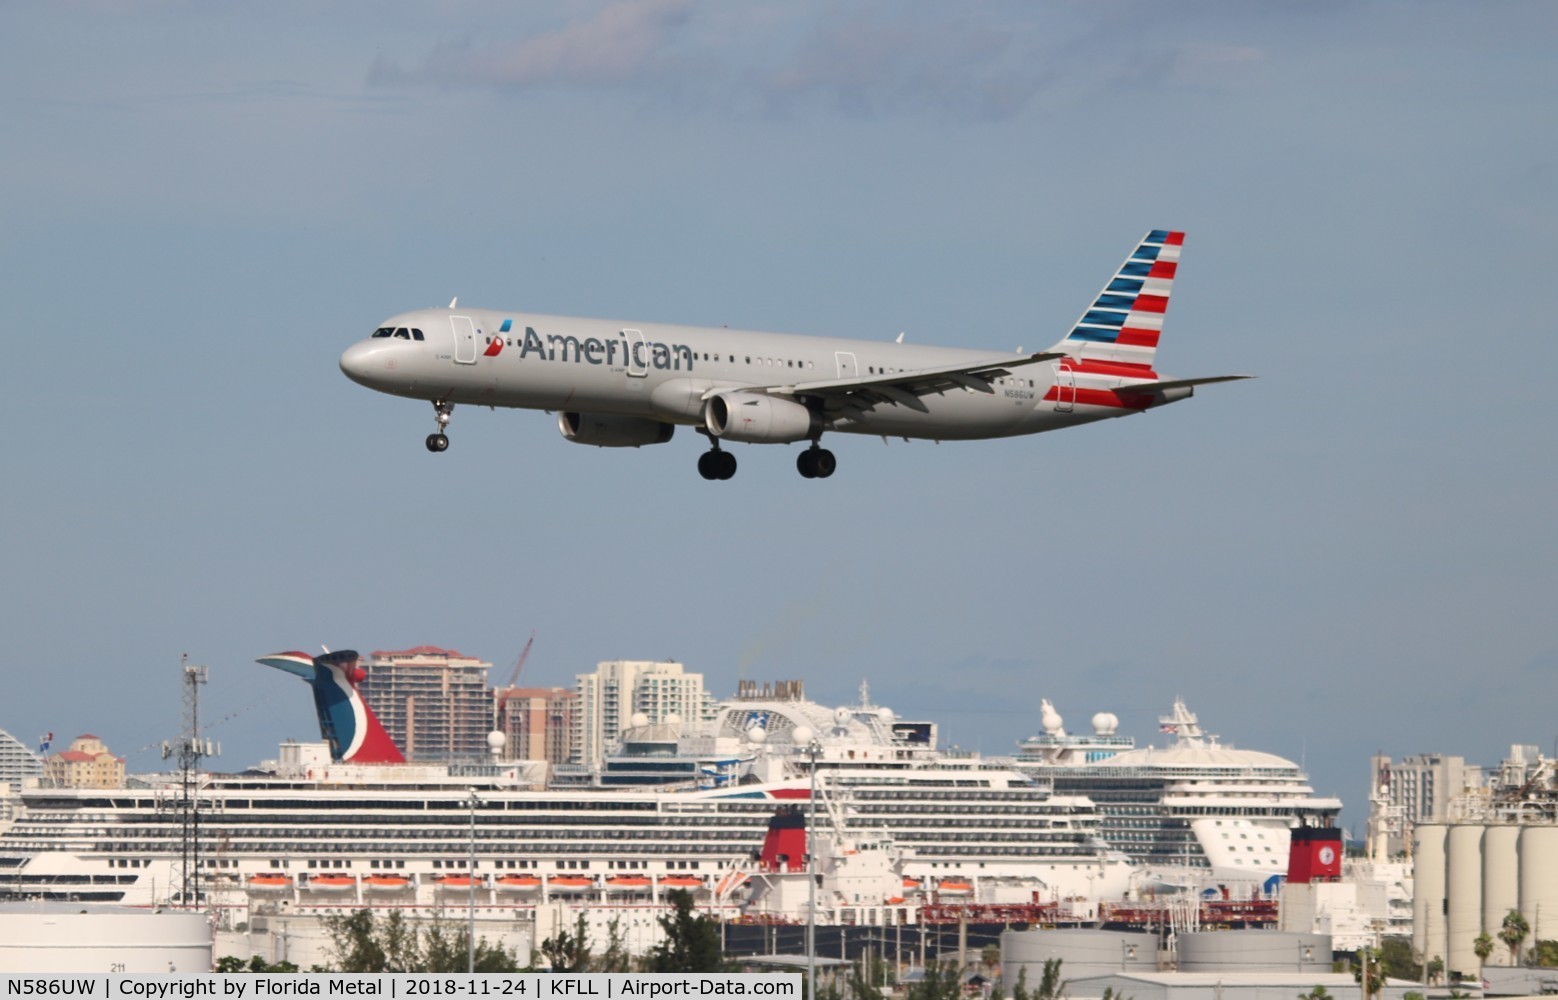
439, 441
816, 462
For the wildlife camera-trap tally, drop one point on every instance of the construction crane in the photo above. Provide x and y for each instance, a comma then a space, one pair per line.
501, 695
519, 664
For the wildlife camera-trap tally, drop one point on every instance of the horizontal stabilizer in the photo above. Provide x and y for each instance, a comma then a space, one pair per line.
1153, 388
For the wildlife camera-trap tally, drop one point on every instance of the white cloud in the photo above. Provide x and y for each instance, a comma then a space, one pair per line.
621, 44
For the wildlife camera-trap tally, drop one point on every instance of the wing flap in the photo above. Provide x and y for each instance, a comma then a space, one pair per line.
901, 388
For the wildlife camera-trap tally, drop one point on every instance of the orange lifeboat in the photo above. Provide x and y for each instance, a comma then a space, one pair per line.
332, 883
911, 885
730, 883
893, 900
270, 883
569, 883
954, 887
386, 883
680, 882
628, 883
457, 882
518, 883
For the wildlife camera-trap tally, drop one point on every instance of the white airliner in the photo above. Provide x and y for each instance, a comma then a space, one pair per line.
624, 385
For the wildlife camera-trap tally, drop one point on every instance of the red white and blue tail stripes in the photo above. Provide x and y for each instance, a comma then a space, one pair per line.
1124, 322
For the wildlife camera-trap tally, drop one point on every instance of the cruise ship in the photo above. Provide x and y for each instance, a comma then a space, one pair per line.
347, 823
1192, 814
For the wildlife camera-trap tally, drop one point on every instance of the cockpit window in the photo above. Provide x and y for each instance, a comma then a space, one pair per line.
384, 331
416, 334
403, 334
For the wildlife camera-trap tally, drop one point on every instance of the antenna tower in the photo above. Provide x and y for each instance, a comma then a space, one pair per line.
189, 751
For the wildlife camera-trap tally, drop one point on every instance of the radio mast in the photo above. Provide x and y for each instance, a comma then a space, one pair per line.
189, 751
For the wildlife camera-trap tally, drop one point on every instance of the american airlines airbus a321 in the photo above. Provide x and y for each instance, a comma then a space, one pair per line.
624, 385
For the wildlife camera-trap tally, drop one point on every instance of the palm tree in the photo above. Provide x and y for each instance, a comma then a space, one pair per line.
1513, 934
1483, 947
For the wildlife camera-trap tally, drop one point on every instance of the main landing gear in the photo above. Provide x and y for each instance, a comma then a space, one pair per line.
439, 441
716, 464
816, 462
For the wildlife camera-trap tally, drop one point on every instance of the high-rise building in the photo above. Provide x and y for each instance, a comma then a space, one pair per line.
433, 702
17, 763
87, 764
1417, 789
620, 689
539, 722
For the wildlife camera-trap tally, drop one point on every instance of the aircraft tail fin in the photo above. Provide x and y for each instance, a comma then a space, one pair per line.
1124, 322
345, 721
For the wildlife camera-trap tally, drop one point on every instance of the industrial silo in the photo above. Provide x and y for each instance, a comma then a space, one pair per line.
1463, 886
1082, 952
1428, 847
1253, 951
1500, 878
81, 937
1538, 849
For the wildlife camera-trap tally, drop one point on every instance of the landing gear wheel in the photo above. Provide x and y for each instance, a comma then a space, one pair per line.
439, 441
816, 463
716, 464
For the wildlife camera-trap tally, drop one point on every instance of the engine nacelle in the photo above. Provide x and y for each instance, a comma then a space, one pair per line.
759, 419
610, 430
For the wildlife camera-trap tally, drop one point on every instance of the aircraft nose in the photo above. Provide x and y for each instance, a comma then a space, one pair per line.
358, 362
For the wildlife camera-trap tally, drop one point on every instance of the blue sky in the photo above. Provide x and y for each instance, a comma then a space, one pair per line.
203, 205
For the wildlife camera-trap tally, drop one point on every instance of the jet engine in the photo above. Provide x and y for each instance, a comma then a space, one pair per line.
755, 418
610, 430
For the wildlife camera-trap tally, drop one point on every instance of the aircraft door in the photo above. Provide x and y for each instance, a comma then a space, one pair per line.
464, 340
1065, 387
638, 353
846, 364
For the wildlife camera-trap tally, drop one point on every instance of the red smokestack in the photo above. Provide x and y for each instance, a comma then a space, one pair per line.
784, 845
1315, 855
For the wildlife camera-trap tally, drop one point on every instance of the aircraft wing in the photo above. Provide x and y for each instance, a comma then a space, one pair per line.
903, 388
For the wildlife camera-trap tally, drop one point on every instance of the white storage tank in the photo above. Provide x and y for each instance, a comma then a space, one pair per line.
1538, 851
1463, 885
1082, 952
1500, 877
1254, 951
1428, 847
83, 937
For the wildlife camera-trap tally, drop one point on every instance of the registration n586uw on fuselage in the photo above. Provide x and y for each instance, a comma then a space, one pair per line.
618, 384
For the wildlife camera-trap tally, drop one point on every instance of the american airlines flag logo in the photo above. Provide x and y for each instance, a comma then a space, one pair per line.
1126, 319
